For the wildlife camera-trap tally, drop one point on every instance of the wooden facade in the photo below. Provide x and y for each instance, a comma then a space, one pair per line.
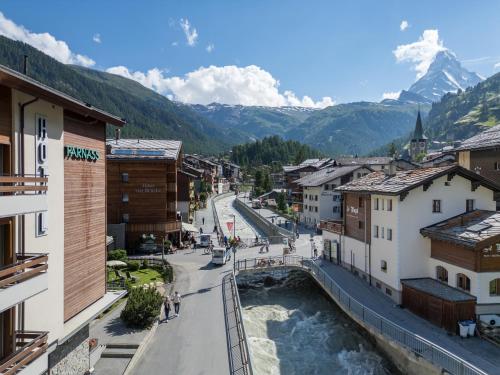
441, 312
145, 191
84, 216
486, 163
357, 216
474, 259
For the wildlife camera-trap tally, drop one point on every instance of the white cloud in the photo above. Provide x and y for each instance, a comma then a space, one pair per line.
250, 85
404, 25
497, 65
97, 38
210, 47
175, 44
189, 31
421, 52
45, 42
391, 95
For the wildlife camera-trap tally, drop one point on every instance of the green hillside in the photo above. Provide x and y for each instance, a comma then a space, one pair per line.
466, 113
355, 128
148, 114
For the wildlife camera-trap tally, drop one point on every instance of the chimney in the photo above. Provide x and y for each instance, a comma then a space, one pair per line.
117, 135
25, 65
391, 170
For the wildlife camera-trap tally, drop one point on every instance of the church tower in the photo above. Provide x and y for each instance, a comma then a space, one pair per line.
418, 144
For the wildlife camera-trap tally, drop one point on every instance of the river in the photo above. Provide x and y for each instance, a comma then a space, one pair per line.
293, 328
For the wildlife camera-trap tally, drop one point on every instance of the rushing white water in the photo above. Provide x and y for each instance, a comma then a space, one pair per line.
294, 329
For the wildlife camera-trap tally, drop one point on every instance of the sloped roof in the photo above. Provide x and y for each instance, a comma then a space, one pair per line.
468, 229
438, 289
488, 139
143, 149
21, 82
376, 160
381, 183
325, 175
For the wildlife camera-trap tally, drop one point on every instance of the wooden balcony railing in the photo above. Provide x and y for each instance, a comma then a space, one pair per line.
29, 346
23, 184
26, 267
150, 228
334, 226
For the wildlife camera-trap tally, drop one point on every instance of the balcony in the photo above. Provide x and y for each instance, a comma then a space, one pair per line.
30, 355
23, 279
334, 226
21, 195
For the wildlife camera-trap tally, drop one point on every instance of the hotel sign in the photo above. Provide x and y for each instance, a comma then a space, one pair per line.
81, 153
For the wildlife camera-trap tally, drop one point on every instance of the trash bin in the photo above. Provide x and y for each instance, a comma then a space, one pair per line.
464, 329
472, 328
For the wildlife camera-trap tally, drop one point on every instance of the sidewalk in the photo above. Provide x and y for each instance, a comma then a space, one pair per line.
480, 353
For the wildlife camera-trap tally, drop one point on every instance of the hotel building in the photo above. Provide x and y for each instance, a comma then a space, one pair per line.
52, 226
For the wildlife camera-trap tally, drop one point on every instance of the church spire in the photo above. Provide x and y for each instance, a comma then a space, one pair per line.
419, 130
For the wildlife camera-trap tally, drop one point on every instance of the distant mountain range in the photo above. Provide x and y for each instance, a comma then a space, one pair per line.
353, 128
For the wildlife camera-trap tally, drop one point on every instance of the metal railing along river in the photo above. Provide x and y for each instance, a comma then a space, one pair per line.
416, 344
239, 355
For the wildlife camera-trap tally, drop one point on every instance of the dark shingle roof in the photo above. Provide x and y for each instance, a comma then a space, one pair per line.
325, 175
488, 139
438, 289
376, 160
381, 183
468, 229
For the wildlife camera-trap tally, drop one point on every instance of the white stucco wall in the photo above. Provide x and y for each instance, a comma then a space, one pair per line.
311, 217
357, 250
44, 312
382, 248
415, 212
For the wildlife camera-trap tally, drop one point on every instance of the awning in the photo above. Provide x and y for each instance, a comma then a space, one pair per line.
189, 227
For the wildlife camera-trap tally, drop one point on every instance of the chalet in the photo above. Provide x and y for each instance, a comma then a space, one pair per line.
186, 200
320, 200
481, 154
379, 237
52, 226
211, 170
142, 189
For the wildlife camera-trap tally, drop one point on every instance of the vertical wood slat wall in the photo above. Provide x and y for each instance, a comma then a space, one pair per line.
84, 217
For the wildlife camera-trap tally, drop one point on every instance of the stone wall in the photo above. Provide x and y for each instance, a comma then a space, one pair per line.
72, 356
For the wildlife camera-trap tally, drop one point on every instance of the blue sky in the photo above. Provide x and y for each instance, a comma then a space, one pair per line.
341, 50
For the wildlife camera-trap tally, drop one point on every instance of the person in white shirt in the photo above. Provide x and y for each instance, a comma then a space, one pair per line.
177, 303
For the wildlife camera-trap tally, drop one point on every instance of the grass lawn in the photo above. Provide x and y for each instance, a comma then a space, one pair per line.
145, 276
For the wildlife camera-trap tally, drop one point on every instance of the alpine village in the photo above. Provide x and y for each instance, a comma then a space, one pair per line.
354, 238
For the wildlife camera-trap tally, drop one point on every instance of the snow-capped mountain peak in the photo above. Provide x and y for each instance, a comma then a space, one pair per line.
444, 75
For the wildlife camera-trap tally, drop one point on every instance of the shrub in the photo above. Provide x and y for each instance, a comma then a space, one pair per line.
133, 265
142, 308
167, 244
144, 264
118, 254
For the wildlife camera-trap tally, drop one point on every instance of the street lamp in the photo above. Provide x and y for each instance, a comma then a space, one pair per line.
234, 242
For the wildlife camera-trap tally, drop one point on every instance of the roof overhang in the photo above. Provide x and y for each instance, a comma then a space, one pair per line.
23, 83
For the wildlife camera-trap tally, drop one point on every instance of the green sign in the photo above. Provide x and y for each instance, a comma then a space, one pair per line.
81, 153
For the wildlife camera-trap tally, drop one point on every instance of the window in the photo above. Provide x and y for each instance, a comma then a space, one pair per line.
442, 274
315, 197
360, 225
125, 197
336, 209
41, 223
378, 285
389, 204
375, 204
383, 204
360, 202
383, 265
327, 187
334, 186
124, 177
375, 231
316, 209
382, 232
463, 282
125, 218
469, 205
389, 234
388, 291
305, 206
497, 166
305, 196
495, 287
359, 174
436, 206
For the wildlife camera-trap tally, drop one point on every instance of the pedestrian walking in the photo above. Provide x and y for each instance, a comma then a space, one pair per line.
203, 220
201, 230
167, 307
315, 251
267, 246
177, 303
